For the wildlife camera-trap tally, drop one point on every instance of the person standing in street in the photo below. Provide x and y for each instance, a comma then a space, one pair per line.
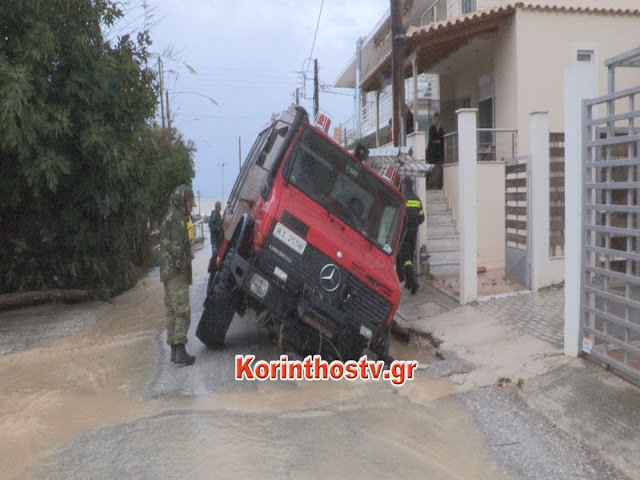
175, 272
413, 218
215, 226
435, 149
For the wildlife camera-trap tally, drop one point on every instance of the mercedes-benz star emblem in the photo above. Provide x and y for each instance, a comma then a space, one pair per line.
330, 277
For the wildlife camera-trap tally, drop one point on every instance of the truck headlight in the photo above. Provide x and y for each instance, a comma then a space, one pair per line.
259, 285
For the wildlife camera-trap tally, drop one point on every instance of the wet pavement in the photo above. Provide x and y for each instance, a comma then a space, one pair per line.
540, 314
88, 392
517, 340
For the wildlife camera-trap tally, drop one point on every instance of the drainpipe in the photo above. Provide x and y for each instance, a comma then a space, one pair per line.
358, 101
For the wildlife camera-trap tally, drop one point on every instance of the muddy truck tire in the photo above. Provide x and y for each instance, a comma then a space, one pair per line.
219, 306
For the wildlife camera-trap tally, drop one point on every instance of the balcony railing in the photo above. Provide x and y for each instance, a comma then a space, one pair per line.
493, 145
431, 14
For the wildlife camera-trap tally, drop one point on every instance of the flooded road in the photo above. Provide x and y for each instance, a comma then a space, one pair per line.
88, 392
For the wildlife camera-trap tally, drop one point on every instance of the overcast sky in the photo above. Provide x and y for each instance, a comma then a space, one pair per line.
248, 56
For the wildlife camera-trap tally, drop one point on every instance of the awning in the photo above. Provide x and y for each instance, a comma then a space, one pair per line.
399, 158
433, 42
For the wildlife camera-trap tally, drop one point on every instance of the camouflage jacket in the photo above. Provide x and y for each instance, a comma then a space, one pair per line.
175, 248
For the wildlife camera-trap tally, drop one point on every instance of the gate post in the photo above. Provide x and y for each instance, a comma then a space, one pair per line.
580, 82
539, 222
468, 218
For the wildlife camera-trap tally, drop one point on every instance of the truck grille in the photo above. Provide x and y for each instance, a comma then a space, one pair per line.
361, 304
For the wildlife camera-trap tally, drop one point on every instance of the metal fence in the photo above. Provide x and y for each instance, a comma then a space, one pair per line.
556, 194
451, 147
493, 145
611, 225
368, 123
517, 214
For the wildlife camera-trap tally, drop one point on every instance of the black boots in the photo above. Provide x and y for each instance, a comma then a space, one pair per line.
411, 282
181, 356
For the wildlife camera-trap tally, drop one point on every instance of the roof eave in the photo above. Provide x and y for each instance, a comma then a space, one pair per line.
461, 29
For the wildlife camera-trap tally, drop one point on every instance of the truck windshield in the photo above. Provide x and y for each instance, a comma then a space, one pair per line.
346, 188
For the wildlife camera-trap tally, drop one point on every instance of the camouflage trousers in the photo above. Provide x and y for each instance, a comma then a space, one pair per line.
178, 310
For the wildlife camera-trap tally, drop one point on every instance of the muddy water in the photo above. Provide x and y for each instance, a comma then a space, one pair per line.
83, 397
52, 393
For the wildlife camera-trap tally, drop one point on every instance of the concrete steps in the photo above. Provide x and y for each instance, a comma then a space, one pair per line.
443, 240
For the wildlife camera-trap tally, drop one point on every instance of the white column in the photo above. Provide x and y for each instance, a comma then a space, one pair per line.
417, 142
539, 221
468, 218
580, 81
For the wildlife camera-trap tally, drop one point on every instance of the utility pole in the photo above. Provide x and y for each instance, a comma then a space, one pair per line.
397, 73
297, 96
316, 93
358, 104
239, 154
161, 75
168, 110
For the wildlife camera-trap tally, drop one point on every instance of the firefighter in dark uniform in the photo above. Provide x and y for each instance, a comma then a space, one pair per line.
414, 218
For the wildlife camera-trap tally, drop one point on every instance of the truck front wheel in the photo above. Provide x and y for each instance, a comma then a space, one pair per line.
219, 306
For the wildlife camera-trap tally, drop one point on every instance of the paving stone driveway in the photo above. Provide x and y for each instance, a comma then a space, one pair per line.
540, 314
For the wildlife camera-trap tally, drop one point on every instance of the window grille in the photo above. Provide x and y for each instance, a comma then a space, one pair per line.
468, 6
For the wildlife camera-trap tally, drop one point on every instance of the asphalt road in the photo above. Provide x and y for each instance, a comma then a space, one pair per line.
88, 392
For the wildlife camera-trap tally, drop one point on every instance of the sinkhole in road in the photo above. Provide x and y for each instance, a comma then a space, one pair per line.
422, 347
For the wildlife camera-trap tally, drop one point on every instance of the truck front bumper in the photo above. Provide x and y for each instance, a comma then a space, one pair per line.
304, 314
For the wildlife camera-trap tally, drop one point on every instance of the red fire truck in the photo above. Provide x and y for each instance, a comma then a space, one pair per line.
310, 240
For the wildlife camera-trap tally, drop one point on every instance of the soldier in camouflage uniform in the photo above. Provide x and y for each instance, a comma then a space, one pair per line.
175, 272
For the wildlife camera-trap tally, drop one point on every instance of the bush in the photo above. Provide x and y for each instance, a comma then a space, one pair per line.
78, 177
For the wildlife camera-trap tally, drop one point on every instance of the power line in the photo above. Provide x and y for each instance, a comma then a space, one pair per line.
329, 92
217, 68
314, 37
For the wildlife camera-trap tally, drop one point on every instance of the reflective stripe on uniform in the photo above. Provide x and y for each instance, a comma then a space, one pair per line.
408, 263
191, 230
413, 204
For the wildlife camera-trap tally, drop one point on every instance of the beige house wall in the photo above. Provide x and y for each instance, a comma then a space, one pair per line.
528, 64
530, 53
506, 77
490, 202
542, 58
451, 185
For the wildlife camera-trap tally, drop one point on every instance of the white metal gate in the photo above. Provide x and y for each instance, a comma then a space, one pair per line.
610, 303
517, 254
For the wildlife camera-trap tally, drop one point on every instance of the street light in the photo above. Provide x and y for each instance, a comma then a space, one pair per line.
222, 165
198, 94
211, 100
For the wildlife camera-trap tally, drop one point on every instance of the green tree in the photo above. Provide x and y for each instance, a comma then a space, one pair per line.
170, 163
75, 111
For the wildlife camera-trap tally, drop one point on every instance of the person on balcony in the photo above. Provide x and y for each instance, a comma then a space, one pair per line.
435, 149
408, 120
